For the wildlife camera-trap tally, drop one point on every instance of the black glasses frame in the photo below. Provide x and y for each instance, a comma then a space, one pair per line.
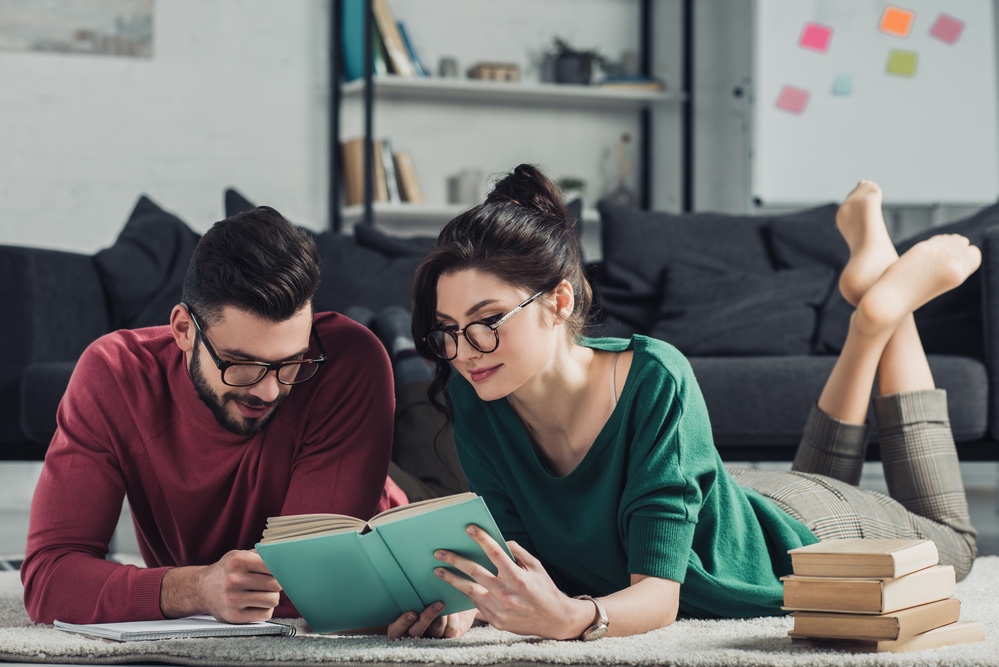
223, 364
454, 333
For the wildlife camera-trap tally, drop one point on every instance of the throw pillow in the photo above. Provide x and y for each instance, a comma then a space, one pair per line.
952, 323
638, 245
354, 275
807, 239
236, 203
143, 271
712, 313
370, 236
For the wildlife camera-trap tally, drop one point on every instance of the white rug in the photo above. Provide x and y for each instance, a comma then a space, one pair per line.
697, 643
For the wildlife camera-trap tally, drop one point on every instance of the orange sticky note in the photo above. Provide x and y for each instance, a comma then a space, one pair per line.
897, 21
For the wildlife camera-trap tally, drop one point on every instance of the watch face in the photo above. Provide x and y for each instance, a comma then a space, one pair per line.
596, 632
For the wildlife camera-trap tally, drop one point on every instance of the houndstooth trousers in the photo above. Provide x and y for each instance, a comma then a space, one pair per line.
927, 499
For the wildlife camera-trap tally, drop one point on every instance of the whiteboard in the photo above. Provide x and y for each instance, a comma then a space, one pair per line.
827, 111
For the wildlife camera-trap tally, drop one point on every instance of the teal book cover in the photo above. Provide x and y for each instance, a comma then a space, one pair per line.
366, 575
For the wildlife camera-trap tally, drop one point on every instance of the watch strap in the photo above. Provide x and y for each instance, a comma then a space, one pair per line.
598, 629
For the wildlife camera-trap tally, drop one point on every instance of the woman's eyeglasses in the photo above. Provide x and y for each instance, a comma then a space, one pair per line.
481, 335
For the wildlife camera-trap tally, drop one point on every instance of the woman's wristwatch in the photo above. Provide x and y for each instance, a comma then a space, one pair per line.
598, 629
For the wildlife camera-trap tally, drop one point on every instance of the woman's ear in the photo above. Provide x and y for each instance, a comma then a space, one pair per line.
565, 300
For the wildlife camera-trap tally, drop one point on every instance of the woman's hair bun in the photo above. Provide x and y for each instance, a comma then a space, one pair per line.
527, 186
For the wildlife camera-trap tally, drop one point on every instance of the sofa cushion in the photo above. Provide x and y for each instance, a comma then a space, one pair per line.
706, 312
143, 271
354, 275
42, 387
746, 411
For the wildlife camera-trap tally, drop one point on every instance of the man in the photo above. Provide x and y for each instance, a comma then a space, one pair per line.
246, 406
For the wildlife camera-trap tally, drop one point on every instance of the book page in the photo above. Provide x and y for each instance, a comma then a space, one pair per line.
403, 511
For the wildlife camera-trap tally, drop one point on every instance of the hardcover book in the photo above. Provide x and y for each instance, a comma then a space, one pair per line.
865, 595
395, 47
173, 628
864, 558
877, 627
342, 573
961, 632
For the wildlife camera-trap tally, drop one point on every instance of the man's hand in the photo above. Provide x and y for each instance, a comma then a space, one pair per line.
237, 589
429, 623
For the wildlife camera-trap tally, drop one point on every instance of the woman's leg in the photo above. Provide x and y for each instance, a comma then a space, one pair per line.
920, 460
834, 442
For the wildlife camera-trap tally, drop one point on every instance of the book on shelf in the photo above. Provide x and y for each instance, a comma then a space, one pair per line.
174, 628
395, 47
867, 595
418, 67
352, 151
352, 39
881, 558
388, 166
408, 184
881, 627
959, 632
342, 573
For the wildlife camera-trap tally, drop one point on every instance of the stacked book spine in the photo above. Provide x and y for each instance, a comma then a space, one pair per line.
874, 596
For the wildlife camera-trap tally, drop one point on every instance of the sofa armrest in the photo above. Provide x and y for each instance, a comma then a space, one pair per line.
990, 322
54, 306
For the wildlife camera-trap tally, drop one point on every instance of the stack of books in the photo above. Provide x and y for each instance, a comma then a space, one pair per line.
874, 596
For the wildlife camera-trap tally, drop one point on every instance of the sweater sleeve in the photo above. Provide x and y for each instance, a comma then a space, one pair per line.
673, 467
74, 512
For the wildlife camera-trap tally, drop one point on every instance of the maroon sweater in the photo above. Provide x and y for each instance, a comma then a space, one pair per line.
132, 424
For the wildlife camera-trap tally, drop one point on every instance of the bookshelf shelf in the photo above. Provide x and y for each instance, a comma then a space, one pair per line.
420, 219
453, 127
466, 90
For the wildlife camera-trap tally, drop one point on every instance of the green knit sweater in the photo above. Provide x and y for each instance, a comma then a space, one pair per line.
650, 497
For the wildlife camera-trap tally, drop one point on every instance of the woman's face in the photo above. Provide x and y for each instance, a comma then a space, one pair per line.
526, 341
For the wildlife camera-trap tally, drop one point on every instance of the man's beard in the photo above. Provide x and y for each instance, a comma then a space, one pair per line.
244, 426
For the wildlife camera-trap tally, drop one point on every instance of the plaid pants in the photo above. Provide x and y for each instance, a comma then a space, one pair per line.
927, 499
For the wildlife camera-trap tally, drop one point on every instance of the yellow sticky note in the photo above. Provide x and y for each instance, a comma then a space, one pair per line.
902, 63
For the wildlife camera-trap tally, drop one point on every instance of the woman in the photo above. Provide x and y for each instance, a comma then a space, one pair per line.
595, 455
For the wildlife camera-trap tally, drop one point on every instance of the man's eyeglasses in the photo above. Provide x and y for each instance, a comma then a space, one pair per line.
247, 373
481, 335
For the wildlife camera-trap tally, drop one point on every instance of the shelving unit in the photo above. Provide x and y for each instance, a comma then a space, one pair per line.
373, 89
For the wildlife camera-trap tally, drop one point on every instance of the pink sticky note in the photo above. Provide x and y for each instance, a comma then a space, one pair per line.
792, 99
816, 37
947, 28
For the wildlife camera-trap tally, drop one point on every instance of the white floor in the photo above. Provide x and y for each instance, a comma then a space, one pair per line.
17, 481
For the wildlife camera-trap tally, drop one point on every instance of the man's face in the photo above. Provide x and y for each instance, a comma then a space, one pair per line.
241, 336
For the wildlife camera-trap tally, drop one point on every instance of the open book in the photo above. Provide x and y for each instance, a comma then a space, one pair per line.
173, 628
342, 573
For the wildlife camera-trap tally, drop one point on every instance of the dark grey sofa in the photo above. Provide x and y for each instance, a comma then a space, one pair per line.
754, 303
751, 300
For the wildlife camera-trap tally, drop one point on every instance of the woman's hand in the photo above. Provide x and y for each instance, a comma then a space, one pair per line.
429, 624
521, 597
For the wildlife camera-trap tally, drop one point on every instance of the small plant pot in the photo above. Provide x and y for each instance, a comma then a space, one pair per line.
573, 68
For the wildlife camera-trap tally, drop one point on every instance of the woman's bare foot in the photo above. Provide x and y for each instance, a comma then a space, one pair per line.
862, 224
924, 272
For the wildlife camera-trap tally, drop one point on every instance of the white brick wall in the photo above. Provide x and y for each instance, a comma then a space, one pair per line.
234, 95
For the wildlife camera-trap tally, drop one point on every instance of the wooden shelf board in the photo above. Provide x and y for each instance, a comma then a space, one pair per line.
471, 90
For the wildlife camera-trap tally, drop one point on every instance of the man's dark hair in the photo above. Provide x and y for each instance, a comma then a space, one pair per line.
255, 261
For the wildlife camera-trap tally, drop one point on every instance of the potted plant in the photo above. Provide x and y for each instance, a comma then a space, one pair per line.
573, 65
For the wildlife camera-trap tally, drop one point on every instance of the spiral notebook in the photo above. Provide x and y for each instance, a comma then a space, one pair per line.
174, 628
